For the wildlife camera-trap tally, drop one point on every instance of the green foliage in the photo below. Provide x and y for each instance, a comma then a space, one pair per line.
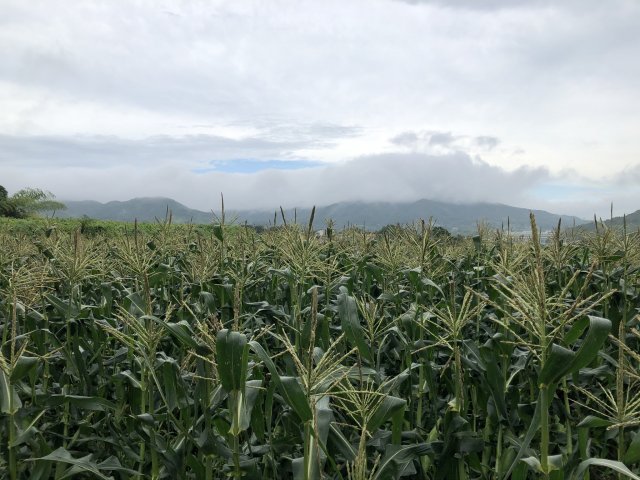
160, 351
27, 202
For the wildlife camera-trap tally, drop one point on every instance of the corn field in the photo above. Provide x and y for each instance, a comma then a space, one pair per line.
286, 355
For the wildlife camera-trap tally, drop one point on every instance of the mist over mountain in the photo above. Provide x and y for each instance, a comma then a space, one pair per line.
457, 218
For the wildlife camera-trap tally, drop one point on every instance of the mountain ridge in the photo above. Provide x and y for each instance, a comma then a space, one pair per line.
457, 218
631, 220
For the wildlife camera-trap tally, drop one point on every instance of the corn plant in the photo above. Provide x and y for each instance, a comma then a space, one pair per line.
202, 352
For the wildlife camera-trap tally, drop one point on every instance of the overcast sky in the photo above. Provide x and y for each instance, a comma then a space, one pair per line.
530, 103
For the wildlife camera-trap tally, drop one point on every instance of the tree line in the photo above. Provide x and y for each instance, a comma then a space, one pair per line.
27, 202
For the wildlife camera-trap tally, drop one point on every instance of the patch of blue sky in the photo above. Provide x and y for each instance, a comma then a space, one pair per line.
250, 165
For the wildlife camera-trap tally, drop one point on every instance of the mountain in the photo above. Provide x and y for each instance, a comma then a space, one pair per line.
632, 220
457, 218
146, 209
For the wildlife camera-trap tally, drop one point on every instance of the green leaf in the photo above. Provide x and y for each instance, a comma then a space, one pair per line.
84, 464
534, 464
520, 472
415, 277
23, 367
131, 378
241, 404
558, 364
632, 455
389, 385
601, 462
9, 401
63, 307
252, 390
562, 361
493, 376
218, 232
531, 432
387, 408
396, 457
554, 462
591, 421
170, 385
468, 442
342, 444
296, 398
24, 436
457, 440
208, 300
146, 418
232, 358
83, 402
297, 467
288, 386
181, 331
576, 330
348, 311
597, 334
136, 304
431, 283
324, 417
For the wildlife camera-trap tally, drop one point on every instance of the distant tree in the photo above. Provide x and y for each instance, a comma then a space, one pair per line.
27, 202
440, 232
391, 229
5, 208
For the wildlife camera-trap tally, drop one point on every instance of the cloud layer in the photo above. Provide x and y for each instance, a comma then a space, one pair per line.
196, 169
96, 168
512, 101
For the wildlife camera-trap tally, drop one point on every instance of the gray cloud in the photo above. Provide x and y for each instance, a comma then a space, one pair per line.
487, 142
492, 5
445, 139
315, 134
472, 4
453, 177
102, 151
628, 177
423, 140
405, 139
114, 169
228, 62
516, 82
392, 177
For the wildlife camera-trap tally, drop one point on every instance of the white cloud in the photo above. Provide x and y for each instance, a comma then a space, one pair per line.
391, 177
130, 84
